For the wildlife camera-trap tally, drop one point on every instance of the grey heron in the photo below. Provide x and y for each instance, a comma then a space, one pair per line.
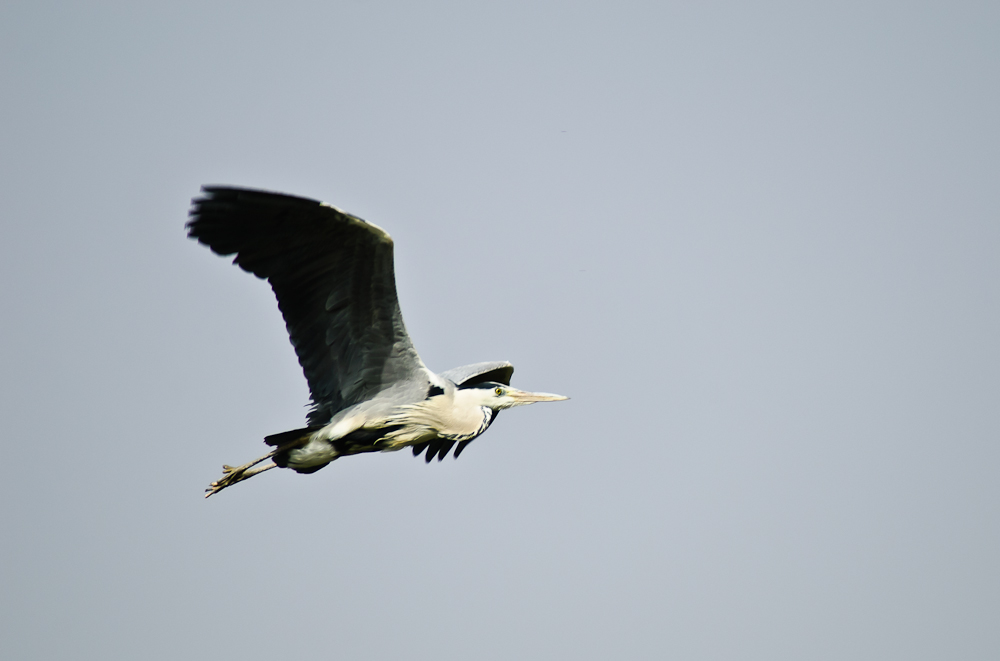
332, 274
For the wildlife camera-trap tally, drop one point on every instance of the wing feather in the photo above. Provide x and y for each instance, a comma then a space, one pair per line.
332, 274
470, 375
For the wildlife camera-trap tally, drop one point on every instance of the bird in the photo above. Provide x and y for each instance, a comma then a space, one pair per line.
333, 277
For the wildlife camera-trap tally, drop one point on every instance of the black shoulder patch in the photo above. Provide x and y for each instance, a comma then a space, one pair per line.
434, 391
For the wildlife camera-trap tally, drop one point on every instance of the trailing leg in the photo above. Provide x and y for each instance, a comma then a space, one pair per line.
231, 475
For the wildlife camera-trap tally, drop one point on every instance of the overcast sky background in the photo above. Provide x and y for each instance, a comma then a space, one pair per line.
756, 243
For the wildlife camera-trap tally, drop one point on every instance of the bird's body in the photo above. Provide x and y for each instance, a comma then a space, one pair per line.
332, 274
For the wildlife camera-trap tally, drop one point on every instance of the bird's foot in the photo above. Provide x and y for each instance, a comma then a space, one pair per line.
231, 475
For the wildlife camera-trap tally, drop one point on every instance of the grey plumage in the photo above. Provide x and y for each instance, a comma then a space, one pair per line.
332, 274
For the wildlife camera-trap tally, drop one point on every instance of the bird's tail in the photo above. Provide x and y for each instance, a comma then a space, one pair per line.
283, 443
290, 438
287, 441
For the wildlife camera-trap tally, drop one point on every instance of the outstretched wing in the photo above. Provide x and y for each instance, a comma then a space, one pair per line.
332, 274
470, 375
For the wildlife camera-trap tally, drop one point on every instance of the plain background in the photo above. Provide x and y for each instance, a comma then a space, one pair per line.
756, 243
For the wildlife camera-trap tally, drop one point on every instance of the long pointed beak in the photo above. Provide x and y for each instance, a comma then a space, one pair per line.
524, 397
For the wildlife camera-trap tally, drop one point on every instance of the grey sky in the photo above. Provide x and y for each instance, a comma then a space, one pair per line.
757, 244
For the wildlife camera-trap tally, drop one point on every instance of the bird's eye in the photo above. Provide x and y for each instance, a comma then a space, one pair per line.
498, 391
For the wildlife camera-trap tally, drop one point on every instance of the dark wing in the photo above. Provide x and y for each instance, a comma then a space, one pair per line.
440, 447
470, 375
465, 376
332, 274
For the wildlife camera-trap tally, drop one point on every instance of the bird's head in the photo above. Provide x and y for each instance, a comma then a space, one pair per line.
498, 396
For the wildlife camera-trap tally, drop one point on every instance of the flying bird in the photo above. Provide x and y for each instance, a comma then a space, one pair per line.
332, 274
